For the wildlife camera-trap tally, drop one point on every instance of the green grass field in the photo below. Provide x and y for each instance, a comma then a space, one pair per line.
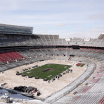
37, 72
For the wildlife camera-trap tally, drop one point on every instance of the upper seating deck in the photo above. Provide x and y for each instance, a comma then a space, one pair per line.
49, 40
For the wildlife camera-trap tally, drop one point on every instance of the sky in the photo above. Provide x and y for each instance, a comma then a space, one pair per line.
66, 18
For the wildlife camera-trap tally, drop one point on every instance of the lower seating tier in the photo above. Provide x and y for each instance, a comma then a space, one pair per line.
10, 57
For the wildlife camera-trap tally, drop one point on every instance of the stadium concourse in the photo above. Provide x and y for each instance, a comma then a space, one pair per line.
21, 49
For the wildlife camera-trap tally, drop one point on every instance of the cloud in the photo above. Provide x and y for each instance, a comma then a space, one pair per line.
61, 24
101, 28
14, 5
97, 29
44, 0
44, 27
92, 33
63, 17
40, 0
8, 5
81, 33
77, 35
97, 16
79, 29
65, 32
41, 32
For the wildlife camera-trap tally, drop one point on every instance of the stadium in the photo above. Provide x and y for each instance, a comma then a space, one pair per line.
46, 69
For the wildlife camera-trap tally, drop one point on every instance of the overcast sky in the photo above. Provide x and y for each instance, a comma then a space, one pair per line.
66, 18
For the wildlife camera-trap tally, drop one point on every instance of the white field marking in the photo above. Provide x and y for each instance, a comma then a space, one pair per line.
49, 75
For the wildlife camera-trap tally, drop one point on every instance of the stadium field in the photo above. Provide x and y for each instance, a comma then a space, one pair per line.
47, 71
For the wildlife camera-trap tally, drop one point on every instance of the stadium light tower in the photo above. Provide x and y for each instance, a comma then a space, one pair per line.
67, 39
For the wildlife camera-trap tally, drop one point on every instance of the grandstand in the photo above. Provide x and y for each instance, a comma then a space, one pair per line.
21, 49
